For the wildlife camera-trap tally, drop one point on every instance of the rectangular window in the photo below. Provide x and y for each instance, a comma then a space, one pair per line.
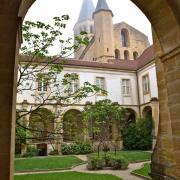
100, 82
146, 87
74, 86
42, 86
126, 89
45, 86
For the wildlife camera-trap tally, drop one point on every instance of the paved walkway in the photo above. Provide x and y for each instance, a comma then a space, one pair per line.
125, 174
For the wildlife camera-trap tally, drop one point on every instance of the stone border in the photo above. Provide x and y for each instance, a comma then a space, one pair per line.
139, 175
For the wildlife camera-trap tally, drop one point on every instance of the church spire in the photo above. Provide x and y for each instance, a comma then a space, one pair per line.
87, 10
102, 6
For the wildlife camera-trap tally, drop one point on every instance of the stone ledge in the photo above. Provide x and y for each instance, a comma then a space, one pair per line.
169, 55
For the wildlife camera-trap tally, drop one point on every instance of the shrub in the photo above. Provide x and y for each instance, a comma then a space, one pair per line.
54, 152
76, 148
99, 162
85, 148
138, 136
95, 163
119, 163
107, 159
31, 152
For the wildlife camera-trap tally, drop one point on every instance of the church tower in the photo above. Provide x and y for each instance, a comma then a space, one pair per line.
84, 23
104, 34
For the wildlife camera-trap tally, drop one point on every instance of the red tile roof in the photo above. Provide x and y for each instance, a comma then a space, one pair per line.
132, 65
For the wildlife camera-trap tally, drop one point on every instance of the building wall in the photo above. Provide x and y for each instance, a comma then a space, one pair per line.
104, 36
151, 72
105, 39
113, 84
137, 41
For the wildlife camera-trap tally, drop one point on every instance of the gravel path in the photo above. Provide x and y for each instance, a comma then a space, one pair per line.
125, 174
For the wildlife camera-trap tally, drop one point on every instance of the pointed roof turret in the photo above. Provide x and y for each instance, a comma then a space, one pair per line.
102, 6
87, 10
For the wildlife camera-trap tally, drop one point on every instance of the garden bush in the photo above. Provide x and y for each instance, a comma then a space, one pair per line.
31, 152
76, 148
138, 136
119, 163
54, 152
95, 163
114, 162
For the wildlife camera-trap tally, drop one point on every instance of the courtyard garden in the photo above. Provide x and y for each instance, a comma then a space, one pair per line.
69, 161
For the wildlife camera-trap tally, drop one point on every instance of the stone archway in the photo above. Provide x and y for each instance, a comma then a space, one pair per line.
147, 114
165, 18
42, 122
72, 126
131, 115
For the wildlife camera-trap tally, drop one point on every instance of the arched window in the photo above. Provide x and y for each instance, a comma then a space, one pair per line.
126, 55
117, 54
125, 38
135, 55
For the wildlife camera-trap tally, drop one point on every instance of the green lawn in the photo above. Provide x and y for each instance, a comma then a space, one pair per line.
145, 170
131, 156
67, 176
45, 163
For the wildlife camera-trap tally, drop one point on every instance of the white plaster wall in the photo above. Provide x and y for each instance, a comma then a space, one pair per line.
112, 80
113, 83
151, 71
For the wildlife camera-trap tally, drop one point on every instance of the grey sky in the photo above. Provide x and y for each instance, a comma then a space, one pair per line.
124, 10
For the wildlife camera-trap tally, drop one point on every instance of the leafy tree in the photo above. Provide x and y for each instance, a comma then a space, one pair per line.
36, 65
101, 116
138, 136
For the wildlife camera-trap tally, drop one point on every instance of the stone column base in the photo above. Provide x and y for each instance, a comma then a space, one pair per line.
158, 172
161, 177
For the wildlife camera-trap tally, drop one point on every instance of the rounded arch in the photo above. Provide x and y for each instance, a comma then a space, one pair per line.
125, 38
147, 112
131, 115
72, 125
41, 122
117, 54
126, 55
135, 55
